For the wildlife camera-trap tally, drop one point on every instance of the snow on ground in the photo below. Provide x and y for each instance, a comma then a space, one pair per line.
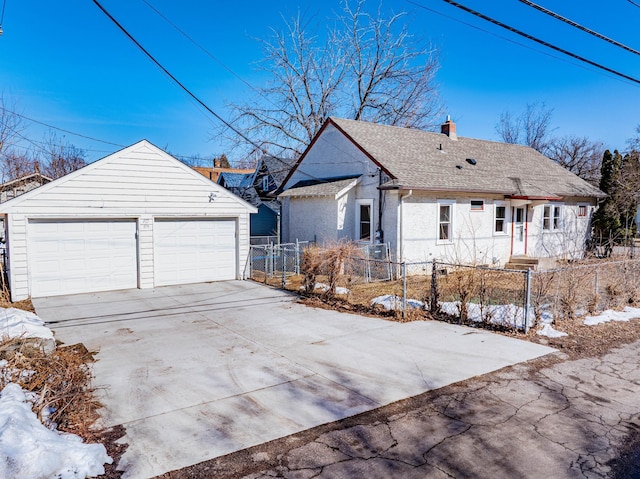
508, 315
391, 302
548, 331
31, 451
325, 287
15, 323
626, 314
28, 449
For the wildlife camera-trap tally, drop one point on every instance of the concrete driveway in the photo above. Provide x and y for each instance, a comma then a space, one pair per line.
198, 371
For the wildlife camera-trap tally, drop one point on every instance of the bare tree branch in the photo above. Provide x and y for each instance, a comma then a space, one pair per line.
532, 127
367, 68
579, 155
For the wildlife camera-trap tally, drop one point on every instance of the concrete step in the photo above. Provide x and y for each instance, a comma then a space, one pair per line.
522, 263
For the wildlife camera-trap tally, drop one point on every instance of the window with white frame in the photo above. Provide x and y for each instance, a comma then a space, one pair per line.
551, 217
445, 221
265, 183
583, 210
500, 218
364, 225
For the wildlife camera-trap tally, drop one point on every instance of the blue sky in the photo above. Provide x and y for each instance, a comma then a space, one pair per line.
66, 64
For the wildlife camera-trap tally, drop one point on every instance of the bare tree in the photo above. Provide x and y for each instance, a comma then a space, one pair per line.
12, 162
634, 142
11, 124
60, 157
579, 155
367, 68
532, 127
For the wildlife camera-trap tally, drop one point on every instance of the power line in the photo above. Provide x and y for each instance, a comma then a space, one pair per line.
580, 27
537, 40
203, 49
634, 3
60, 129
170, 75
185, 89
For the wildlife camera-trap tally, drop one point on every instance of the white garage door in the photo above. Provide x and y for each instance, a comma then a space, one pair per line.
69, 256
194, 251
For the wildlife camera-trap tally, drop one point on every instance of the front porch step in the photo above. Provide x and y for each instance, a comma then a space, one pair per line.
522, 263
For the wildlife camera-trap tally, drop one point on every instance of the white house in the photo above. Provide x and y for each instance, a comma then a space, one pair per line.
435, 195
138, 218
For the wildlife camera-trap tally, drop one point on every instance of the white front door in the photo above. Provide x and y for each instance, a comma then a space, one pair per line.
519, 231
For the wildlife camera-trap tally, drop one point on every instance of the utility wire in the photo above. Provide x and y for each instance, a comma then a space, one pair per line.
170, 75
537, 40
580, 27
203, 49
60, 129
634, 3
4, 6
189, 92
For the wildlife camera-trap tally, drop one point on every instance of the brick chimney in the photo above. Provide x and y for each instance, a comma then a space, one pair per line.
449, 128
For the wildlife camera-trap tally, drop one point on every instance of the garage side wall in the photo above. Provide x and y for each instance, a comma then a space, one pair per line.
142, 183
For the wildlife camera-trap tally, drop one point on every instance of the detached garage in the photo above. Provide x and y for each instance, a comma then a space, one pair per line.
137, 218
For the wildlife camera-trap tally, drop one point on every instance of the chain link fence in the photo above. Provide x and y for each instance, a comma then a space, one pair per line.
465, 294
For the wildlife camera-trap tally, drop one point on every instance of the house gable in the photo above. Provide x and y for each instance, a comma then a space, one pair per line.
141, 174
331, 155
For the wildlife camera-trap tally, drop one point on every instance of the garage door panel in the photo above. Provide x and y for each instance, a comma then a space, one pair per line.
194, 251
80, 256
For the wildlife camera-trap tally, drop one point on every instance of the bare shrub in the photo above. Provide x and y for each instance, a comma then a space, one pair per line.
61, 381
311, 267
328, 262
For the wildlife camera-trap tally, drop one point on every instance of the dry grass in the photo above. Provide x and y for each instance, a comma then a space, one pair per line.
61, 381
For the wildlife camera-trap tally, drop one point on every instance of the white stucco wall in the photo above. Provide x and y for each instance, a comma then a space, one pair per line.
568, 241
140, 182
473, 239
332, 155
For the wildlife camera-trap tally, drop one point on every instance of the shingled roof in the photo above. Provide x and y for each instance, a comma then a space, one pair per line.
416, 159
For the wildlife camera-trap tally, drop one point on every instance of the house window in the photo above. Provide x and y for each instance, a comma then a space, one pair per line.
445, 221
364, 228
583, 211
500, 221
477, 205
265, 183
551, 218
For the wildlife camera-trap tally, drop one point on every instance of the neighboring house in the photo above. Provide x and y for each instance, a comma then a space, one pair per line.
138, 218
13, 188
435, 195
214, 173
258, 188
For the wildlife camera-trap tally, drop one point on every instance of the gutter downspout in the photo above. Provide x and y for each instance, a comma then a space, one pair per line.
401, 226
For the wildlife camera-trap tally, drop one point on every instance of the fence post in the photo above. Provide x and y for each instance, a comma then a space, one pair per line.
433, 307
283, 252
267, 260
297, 257
527, 301
404, 288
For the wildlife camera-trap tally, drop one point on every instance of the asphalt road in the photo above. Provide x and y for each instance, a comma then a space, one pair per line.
548, 418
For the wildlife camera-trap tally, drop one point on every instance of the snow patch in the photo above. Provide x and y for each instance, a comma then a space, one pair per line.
548, 331
392, 302
15, 323
29, 450
626, 314
325, 287
508, 315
